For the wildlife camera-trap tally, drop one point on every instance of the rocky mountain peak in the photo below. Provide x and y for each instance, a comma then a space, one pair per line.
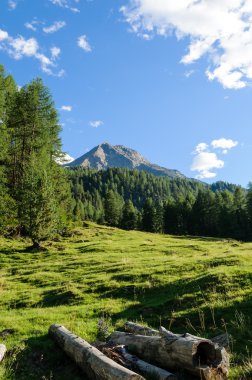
106, 156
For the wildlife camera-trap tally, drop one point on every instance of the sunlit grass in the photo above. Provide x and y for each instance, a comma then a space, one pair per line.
187, 284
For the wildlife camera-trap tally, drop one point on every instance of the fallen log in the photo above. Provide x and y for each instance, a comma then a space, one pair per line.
222, 340
135, 328
144, 367
2, 351
198, 356
94, 363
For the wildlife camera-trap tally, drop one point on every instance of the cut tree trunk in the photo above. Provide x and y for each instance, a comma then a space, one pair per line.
95, 364
222, 340
135, 328
144, 368
2, 351
200, 357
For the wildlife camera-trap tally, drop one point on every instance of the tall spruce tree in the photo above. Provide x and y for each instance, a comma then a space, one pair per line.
129, 216
37, 183
113, 205
7, 204
149, 214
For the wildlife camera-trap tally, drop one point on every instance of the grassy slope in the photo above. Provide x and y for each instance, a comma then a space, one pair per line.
189, 284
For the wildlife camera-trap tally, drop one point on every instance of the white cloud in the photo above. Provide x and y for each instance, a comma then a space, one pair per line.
55, 51
21, 47
31, 26
57, 25
66, 108
224, 144
66, 4
205, 160
189, 73
201, 147
84, 44
96, 123
3, 35
12, 4
220, 29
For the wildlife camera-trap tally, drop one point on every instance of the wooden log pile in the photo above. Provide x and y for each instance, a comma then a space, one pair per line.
141, 353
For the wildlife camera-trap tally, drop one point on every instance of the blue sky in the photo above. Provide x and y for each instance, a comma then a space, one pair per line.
172, 81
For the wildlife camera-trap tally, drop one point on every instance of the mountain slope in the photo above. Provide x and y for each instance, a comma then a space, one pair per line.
106, 156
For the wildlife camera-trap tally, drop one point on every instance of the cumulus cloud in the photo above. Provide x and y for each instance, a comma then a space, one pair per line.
21, 47
3, 35
220, 29
66, 108
66, 4
201, 147
84, 44
223, 143
57, 25
96, 123
205, 161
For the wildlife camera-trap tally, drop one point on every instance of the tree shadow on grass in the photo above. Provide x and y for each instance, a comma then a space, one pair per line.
42, 359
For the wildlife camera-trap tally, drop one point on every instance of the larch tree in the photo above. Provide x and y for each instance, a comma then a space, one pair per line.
37, 182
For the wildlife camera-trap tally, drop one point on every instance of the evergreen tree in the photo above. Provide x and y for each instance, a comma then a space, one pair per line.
7, 204
113, 205
129, 216
240, 219
37, 183
249, 209
148, 221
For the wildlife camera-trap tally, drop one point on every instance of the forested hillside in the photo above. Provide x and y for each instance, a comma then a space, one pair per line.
35, 191
131, 199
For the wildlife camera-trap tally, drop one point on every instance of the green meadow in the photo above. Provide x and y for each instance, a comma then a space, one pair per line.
96, 278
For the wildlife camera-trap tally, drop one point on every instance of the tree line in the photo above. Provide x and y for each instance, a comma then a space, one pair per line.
132, 199
38, 198
35, 198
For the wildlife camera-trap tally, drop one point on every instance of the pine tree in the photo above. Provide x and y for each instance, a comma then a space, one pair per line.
148, 221
129, 216
113, 205
249, 209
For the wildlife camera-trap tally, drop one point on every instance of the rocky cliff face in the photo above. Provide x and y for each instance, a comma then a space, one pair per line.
106, 156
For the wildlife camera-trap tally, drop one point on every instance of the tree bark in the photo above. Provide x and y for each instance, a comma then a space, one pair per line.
145, 368
2, 351
94, 363
135, 328
222, 340
200, 357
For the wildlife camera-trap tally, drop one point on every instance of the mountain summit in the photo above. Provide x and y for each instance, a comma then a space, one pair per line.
106, 156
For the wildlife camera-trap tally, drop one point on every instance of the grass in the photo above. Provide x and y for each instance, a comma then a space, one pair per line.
101, 276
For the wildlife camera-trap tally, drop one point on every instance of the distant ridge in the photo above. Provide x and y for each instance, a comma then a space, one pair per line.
106, 156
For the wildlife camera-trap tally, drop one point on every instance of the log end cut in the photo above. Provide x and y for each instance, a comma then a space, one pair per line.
211, 359
2, 351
